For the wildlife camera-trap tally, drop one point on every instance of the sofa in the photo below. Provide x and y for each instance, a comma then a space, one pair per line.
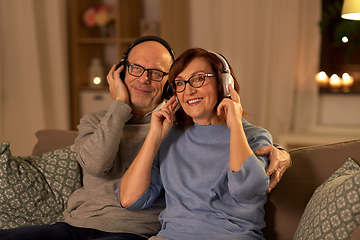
300, 190
317, 198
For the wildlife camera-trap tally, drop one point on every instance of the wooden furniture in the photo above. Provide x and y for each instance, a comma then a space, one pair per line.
87, 43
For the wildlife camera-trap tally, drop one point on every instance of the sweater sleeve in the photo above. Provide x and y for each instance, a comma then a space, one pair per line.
251, 180
152, 193
99, 137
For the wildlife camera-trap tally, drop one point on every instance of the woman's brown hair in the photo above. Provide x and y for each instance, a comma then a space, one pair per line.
182, 120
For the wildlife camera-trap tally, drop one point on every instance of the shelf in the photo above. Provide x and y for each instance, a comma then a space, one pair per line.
102, 88
98, 40
86, 43
105, 40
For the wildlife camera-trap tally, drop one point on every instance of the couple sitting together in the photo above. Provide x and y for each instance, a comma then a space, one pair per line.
215, 167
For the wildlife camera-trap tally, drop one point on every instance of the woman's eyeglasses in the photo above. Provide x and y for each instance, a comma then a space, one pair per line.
195, 81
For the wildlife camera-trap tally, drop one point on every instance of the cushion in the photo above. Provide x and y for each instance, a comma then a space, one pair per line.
333, 211
35, 189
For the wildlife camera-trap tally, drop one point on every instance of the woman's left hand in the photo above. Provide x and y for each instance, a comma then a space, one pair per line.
232, 109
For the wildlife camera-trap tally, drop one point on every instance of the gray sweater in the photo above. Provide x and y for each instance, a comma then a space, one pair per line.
108, 142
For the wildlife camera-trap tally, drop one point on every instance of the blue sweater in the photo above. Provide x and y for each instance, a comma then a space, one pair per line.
204, 199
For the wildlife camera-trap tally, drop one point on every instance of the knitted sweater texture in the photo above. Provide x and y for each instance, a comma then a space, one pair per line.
204, 199
108, 142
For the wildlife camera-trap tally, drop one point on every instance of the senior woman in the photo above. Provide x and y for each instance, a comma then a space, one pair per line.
203, 156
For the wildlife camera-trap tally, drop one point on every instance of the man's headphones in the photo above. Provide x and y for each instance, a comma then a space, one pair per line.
125, 56
226, 76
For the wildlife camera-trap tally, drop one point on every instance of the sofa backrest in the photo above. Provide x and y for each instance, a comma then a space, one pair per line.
286, 203
52, 139
310, 168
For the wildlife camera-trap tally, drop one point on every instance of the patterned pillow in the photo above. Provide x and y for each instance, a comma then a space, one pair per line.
333, 211
34, 190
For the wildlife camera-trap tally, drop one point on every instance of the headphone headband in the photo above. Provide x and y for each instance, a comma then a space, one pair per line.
226, 68
145, 39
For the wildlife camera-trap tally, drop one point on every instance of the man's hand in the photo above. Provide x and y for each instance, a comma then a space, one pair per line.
117, 88
279, 162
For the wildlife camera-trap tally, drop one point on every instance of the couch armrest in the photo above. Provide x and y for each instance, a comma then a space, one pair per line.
52, 139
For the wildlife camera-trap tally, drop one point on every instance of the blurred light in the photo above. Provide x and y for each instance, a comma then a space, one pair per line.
346, 77
347, 80
344, 39
322, 75
96, 73
322, 78
97, 80
351, 10
335, 81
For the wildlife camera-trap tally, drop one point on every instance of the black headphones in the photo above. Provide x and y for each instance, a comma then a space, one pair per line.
125, 56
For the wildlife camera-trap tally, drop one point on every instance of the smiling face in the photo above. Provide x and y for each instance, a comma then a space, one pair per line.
145, 94
199, 103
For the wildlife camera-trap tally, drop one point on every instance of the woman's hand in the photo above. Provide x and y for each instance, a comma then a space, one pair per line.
232, 109
239, 146
162, 120
117, 87
136, 180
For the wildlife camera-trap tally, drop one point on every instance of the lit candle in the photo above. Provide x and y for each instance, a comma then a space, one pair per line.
322, 79
97, 80
96, 74
335, 81
347, 80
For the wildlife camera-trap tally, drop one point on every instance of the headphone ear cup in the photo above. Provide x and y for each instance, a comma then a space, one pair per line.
226, 80
122, 73
167, 91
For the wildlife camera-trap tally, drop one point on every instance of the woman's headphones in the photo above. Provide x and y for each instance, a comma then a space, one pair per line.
138, 41
226, 76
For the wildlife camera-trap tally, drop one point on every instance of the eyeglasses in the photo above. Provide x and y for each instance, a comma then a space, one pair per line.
153, 74
195, 81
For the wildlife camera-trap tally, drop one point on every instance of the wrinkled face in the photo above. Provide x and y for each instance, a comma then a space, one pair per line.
145, 94
199, 103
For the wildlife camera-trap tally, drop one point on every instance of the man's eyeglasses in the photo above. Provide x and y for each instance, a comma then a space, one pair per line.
153, 74
195, 81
